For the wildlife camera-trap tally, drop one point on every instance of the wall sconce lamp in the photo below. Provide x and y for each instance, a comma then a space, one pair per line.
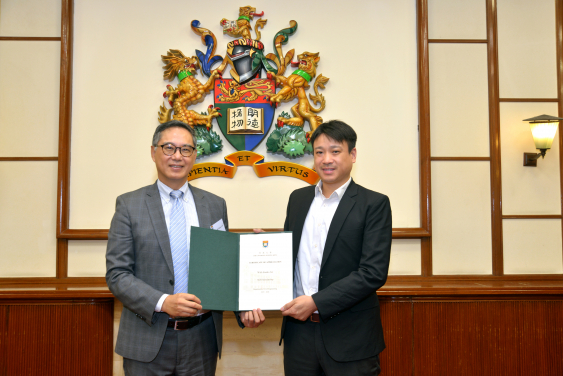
543, 129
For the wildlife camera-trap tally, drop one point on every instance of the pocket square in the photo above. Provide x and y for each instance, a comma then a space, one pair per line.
219, 225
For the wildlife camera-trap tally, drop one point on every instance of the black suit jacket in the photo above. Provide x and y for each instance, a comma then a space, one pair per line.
354, 265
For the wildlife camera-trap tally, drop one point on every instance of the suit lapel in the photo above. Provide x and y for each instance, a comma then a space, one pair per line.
201, 207
154, 204
346, 204
304, 204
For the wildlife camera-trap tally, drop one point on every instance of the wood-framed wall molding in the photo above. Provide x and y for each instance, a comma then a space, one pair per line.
457, 41
56, 39
64, 234
459, 280
524, 100
559, 49
27, 159
101, 234
460, 158
533, 216
424, 135
54, 282
494, 139
457, 283
65, 111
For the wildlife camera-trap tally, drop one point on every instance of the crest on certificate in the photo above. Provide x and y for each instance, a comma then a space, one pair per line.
244, 105
265, 243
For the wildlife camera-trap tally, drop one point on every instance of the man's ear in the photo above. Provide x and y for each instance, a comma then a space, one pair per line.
153, 150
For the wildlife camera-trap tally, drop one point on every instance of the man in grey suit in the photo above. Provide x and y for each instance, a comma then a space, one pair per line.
163, 330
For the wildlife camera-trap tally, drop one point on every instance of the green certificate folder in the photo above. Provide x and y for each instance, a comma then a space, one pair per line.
234, 272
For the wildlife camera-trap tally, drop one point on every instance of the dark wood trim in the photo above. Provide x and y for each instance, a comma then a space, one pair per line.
247, 230
58, 39
101, 234
528, 100
424, 134
494, 139
457, 41
426, 257
410, 233
65, 112
559, 47
452, 285
62, 258
47, 282
398, 233
27, 159
84, 234
533, 216
31, 298
463, 279
460, 158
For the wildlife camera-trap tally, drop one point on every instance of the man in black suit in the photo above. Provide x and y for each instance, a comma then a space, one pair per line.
341, 250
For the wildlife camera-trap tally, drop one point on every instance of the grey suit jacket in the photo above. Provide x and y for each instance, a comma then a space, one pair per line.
139, 266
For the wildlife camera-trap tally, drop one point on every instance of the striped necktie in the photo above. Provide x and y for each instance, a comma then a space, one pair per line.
179, 242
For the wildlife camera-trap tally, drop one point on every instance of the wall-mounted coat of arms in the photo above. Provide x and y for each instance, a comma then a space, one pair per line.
245, 104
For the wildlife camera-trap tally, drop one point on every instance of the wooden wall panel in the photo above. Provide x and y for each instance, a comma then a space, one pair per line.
396, 317
488, 338
64, 339
3, 336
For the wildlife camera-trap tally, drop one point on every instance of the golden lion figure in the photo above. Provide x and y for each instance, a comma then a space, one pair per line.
295, 86
243, 26
188, 92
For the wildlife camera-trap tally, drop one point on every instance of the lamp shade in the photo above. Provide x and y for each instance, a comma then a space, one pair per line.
543, 129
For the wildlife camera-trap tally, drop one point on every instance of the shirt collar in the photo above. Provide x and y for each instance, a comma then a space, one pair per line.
339, 192
165, 191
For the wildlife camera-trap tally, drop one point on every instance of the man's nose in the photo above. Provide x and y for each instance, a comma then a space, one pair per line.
327, 158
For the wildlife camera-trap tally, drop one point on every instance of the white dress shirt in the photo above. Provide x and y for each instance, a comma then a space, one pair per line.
313, 238
189, 211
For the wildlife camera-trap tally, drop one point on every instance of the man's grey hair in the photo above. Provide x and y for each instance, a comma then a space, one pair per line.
171, 124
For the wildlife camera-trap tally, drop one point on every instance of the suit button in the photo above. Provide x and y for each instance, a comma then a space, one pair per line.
171, 282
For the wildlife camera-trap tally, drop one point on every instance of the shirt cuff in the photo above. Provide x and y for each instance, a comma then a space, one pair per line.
158, 307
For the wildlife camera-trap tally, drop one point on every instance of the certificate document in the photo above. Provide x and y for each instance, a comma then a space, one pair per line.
265, 271
240, 272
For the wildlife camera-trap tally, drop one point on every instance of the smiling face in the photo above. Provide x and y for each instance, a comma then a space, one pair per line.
333, 162
173, 170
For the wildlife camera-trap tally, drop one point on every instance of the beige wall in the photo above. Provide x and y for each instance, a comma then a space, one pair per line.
29, 110
382, 108
116, 93
389, 98
370, 56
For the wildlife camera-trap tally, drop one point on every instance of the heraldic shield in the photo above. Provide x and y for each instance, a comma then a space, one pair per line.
246, 111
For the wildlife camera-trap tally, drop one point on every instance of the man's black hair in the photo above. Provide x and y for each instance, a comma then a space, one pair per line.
171, 124
337, 130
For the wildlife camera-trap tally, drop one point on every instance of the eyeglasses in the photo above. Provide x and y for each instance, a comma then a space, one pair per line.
170, 149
